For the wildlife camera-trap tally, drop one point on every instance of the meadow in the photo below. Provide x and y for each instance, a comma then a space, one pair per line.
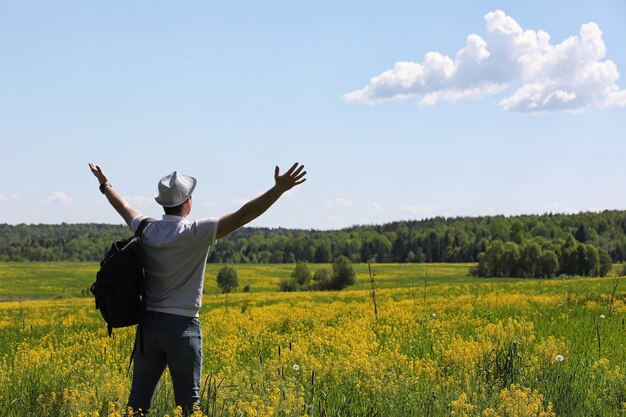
435, 343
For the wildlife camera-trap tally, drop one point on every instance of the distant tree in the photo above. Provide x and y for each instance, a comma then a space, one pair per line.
323, 253
288, 285
300, 280
343, 274
606, 263
510, 259
400, 250
419, 257
517, 232
581, 234
592, 266
489, 264
540, 229
530, 259
263, 256
277, 257
321, 280
301, 274
570, 259
500, 228
548, 264
227, 279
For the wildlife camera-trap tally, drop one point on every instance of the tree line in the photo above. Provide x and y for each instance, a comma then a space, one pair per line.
439, 239
542, 258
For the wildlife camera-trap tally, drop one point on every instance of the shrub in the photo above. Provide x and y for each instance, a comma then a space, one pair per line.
288, 285
343, 274
227, 279
301, 274
321, 280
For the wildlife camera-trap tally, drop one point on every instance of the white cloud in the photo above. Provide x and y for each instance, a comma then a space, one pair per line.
616, 99
210, 204
560, 208
13, 197
339, 203
58, 197
568, 76
375, 207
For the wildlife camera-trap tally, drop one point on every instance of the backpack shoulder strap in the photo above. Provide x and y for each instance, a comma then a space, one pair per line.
143, 225
142, 290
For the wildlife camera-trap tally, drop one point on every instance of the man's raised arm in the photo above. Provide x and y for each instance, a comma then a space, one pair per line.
119, 204
254, 208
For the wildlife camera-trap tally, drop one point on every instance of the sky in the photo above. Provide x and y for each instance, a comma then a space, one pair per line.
399, 110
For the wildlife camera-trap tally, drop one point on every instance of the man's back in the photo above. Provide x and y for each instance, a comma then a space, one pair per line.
175, 251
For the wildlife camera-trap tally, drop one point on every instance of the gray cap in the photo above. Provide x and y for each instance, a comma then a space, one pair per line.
174, 189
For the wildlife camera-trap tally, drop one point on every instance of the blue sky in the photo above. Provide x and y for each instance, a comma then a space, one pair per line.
399, 110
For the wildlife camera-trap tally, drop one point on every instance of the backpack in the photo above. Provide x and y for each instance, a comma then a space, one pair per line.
119, 289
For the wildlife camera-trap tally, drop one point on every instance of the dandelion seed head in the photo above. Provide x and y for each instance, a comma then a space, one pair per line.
559, 358
296, 367
601, 316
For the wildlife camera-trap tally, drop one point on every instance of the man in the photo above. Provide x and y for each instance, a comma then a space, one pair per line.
175, 251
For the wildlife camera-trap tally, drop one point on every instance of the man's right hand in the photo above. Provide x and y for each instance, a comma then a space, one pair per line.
97, 172
119, 204
294, 176
254, 208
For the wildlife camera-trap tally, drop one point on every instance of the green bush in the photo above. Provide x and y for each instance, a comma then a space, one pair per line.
343, 274
301, 274
227, 279
321, 280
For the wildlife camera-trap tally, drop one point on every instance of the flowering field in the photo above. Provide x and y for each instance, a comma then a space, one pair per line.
439, 344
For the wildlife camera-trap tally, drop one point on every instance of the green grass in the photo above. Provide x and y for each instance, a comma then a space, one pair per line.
34, 280
45, 280
52, 340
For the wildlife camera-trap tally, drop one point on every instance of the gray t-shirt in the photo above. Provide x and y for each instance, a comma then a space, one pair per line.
175, 252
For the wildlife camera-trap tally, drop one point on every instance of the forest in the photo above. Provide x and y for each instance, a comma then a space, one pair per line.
439, 239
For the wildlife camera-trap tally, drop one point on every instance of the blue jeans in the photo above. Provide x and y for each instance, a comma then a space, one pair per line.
175, 341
